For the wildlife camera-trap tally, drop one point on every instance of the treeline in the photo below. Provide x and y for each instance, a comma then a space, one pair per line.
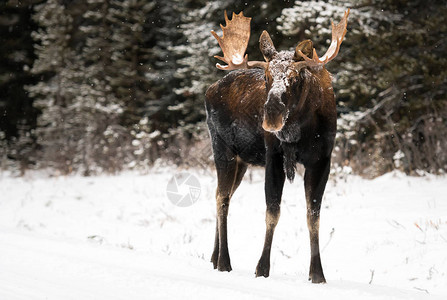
95, 86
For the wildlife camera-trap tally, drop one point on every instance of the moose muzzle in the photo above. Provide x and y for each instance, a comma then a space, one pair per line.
275, 115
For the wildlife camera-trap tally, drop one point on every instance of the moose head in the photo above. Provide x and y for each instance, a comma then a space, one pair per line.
282, 68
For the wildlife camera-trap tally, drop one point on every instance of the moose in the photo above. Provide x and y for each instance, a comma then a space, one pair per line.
273, 113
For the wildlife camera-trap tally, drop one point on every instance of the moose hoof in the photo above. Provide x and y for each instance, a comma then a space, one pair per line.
263, 269
224, 267
317, 278
223, 264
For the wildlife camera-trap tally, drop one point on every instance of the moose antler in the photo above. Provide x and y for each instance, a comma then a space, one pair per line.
233, 43
338, 33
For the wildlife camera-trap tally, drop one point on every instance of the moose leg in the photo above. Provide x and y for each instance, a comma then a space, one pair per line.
315, 180
274, 183
229, 176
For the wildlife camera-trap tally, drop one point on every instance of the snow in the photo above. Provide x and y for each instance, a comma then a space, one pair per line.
279, 69
119, 237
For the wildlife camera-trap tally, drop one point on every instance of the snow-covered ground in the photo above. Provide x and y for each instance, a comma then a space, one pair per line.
119, 237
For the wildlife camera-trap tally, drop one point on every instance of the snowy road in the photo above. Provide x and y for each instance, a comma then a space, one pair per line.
34, 267
119, 237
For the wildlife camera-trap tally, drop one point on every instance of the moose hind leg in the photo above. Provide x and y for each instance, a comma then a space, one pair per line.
229, 176
274, 183
315, 179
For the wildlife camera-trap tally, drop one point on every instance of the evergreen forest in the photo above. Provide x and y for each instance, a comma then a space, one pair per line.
94, 86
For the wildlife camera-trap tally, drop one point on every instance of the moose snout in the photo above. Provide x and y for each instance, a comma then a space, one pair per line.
275, 114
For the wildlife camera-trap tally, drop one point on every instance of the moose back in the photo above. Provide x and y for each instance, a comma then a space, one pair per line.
275, 114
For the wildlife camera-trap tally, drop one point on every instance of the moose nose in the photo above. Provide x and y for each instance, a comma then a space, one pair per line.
274, 116
272, 127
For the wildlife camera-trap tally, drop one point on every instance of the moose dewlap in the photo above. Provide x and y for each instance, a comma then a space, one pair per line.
273, 113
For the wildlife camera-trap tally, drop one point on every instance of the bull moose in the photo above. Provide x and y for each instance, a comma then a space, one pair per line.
273, 113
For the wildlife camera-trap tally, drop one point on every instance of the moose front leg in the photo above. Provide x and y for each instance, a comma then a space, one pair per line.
315, 180
274, 183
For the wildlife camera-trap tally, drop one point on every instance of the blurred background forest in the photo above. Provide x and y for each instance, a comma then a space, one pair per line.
90, 86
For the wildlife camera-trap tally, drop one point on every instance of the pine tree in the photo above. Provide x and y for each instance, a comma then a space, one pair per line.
98, 107
162, 28
195, 69
52, 94
154, 132
17, 114
130, 56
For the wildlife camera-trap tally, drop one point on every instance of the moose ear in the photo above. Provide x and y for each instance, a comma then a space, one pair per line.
306, 48
266, 45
